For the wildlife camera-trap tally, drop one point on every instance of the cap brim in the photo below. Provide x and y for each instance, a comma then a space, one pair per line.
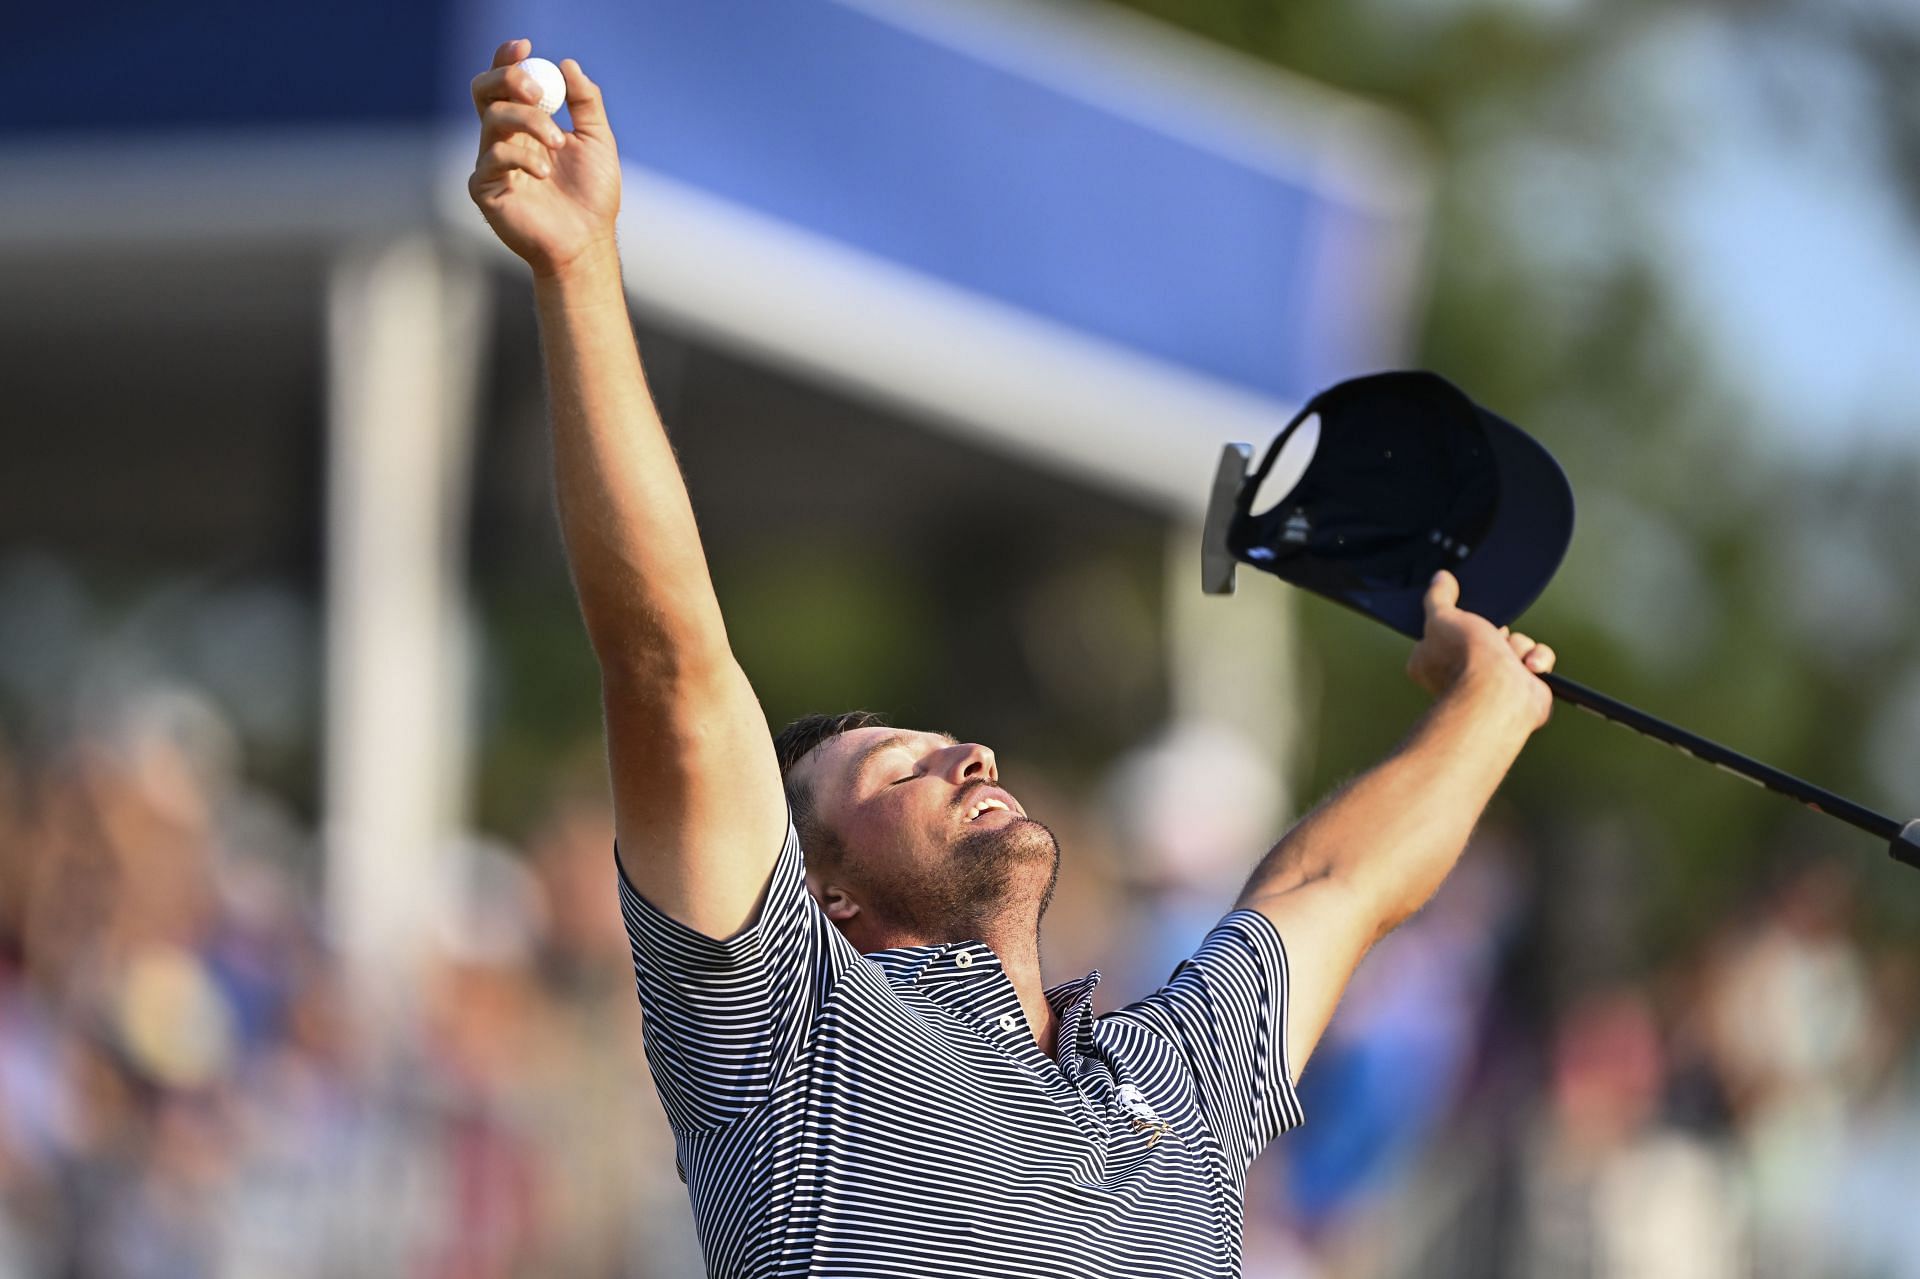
1520, 554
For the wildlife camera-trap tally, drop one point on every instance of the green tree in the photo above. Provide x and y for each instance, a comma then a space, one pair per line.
1746, 591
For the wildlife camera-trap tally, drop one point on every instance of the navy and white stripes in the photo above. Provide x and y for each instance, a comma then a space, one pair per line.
891, 1115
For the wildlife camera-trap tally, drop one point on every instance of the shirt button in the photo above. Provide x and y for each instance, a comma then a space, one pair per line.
1008, 1021
964, 959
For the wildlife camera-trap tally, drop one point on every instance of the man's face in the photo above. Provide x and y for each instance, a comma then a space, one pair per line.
931, 849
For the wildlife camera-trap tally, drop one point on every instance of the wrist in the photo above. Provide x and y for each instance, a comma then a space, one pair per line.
590, 277
1501, 696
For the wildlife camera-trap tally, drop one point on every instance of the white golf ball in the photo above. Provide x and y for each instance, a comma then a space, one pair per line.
553, 85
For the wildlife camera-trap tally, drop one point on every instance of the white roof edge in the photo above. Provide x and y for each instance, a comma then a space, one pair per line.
980, 369
232, 186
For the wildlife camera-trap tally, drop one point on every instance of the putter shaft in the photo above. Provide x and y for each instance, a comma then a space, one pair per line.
1903, 839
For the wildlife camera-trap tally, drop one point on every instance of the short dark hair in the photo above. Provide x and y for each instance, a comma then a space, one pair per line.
791, 745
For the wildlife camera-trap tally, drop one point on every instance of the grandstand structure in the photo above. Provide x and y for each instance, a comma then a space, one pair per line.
893, 253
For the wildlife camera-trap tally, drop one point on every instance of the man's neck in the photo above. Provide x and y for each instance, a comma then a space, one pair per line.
1020, 959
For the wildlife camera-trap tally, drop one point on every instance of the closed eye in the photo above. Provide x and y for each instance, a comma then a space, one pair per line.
909, 777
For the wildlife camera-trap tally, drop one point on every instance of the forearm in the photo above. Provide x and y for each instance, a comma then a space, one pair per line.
1391, 835
629, 529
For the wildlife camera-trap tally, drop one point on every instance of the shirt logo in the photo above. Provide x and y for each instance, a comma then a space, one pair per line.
1140, 1115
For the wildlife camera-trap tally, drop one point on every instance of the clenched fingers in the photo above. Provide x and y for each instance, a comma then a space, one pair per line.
511, 52
503, 121
507, 155
506, 80
1535, 656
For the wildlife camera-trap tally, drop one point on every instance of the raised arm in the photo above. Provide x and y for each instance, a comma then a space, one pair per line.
1375, 851
698, 804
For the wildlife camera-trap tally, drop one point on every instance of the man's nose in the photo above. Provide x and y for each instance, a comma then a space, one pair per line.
969, 761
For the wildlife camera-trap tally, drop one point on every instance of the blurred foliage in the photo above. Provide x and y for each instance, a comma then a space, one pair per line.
1760, 596
1067, 671
828, 627
540, 697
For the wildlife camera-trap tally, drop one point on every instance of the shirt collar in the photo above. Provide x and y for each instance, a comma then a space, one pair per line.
958, 974
1073, 1003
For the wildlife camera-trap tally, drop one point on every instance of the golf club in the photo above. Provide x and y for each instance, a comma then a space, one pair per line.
1410, 476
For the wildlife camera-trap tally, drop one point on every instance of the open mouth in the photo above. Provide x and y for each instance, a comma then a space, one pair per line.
989, 801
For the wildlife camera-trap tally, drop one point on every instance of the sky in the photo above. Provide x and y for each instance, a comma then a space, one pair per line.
1787, 240
1740, 150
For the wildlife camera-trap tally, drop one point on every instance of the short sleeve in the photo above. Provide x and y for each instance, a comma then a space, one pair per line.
722, 1020
1226, 1010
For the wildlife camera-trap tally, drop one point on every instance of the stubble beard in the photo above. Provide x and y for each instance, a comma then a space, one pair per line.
991, 880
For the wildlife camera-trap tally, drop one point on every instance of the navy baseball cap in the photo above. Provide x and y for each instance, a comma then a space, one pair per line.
1410, 476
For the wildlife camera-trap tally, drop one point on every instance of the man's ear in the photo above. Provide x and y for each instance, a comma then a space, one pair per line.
839, 907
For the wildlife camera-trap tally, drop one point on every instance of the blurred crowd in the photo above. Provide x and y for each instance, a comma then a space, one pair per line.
186, 1090
1750, 1108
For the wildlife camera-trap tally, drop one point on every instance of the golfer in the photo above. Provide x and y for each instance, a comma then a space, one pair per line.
835, 933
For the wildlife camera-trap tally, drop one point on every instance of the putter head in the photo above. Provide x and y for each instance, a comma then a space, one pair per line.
1216, 560
1409, 476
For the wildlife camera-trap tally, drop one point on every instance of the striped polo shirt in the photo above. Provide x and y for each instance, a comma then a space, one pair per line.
890, 1114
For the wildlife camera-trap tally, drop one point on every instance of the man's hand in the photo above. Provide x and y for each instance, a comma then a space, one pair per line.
551, 196
1462, 649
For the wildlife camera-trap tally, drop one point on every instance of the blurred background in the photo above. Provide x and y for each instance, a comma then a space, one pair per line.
310, 960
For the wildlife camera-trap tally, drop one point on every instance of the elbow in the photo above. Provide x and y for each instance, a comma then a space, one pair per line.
1387, 920
1381, 902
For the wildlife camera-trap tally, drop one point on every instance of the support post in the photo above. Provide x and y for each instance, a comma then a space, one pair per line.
1235, 666
404, 326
